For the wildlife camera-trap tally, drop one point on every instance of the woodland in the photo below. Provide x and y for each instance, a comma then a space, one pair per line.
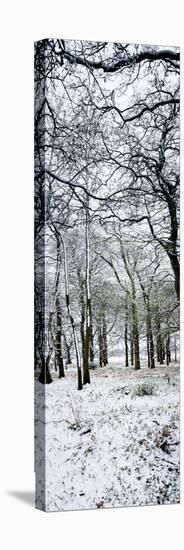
106, 206
106, 274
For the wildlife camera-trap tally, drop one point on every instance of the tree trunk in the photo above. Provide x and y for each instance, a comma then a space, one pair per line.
162, 352
45, 376
135, 324
58, 341
168, 353
69, 359
104, 336
169, 349
132, 349
135, 332
150, 335
55, 363
126, 335
82, 324
86, 376
100, 343
149, 332
78, 358
176, 268
158, 335
171, 248
91, 347
67, 349
148, 344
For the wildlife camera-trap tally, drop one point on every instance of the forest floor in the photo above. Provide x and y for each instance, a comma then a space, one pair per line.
116, 442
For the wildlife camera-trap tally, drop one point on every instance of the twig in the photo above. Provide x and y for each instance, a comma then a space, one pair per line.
86, 431
168, 461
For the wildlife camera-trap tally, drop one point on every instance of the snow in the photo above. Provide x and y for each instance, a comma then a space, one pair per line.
107, 446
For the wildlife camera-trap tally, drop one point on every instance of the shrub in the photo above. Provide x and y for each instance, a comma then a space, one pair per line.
144, 389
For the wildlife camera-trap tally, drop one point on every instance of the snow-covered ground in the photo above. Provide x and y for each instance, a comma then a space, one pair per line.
111, 444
